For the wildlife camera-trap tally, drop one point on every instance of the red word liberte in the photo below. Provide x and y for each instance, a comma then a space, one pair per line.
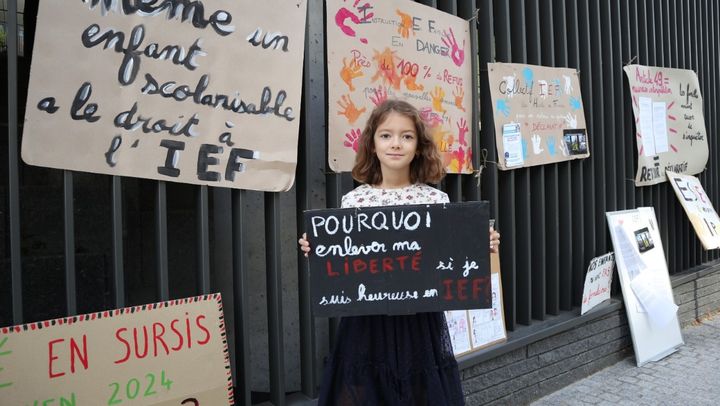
377, 265
153, 340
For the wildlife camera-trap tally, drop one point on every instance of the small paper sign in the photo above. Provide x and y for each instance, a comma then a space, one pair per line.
169, 353
399, 259
598, 281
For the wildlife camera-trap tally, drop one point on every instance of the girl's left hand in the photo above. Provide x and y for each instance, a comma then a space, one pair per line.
494, 240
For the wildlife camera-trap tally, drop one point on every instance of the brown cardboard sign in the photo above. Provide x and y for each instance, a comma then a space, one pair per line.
193, 92
669, 122
403, 50
539, 115
168, 353
698, 207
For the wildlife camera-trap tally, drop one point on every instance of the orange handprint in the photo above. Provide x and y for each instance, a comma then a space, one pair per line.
411, 85
349, 110
459, 94
380, 96
352, 139
386, 68
405, 27
350, 72
437, 99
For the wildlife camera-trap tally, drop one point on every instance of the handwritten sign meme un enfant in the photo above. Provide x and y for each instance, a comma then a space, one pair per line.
379, 49
203, 92
669, 122
170, 353
399, 259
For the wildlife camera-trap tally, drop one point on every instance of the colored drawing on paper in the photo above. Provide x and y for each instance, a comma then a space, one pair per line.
411, 52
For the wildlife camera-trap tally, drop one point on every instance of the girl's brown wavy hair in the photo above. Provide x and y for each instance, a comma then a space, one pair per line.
427, 165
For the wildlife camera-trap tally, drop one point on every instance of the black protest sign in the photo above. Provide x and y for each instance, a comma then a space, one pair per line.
399, 259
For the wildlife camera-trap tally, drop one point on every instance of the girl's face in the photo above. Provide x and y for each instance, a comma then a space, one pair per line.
395, 142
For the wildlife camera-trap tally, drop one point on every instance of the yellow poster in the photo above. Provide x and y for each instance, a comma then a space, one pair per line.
404, 50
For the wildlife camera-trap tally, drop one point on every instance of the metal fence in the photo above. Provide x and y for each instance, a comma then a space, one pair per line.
552, 217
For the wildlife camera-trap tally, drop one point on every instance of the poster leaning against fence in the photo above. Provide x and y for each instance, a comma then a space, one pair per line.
669, 122
404, 50
193, 92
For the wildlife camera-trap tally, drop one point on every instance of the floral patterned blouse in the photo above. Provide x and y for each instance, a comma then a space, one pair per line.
368, 196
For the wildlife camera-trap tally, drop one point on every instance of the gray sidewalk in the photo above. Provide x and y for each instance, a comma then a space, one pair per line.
690, 376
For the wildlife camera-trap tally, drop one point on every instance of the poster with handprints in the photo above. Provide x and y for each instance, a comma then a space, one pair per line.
203, 92
539, 116
405, 50
669, 122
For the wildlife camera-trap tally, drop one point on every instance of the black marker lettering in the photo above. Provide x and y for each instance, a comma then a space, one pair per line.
172, 157
110, 154
48, 105
81, 98
205, 160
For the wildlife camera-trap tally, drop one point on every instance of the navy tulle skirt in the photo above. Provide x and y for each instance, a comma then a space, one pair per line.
392, 360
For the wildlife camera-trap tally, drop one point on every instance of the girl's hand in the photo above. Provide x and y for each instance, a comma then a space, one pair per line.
494, 240
305, 245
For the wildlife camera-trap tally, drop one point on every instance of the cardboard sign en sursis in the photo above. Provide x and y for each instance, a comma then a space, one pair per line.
167, 353
207, 93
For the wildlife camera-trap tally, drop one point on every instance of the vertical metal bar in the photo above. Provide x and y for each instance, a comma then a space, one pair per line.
312, 156
274, 298
469, 186
241, 308
551, 233
13, 166
565, 186
537, 184
203, 224
597, 112
69, 220
712, 18
586, 75
685, 64
620, 134
506, 180
161, 242
117, 242
705, 49
611, 75
486, 147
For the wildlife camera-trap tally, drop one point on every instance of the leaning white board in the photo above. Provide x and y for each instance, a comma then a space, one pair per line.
639, 255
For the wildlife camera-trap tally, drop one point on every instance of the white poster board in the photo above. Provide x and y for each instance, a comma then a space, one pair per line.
647, 293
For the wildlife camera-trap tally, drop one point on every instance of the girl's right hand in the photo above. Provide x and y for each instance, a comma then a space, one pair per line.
304, 244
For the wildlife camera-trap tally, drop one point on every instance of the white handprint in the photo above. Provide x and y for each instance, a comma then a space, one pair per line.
570, 120
537, 141
568, 84
510, 85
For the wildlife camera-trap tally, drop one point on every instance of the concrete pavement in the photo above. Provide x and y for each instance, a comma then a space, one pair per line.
690, 376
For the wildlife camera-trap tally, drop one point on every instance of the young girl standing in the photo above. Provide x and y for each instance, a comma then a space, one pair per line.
394, 360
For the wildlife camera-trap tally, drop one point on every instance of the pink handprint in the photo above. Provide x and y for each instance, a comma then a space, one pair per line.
462, 130
352, 139
380, 96
456, 53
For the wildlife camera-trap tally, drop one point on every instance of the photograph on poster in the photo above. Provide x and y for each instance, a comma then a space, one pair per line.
576, 141
644, 240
